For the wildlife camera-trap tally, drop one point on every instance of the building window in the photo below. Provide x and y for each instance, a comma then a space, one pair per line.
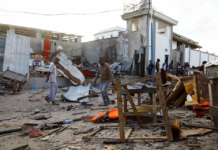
135, 25
97, 38
102, 37
111, 35
162, 28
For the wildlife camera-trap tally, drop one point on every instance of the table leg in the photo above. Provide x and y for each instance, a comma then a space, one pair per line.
154, 108
125, 108
139, 99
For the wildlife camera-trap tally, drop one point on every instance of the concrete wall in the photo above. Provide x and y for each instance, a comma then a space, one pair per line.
194, 58
211, 58
163, 45
106, 48
174, 45
107, 35
187, 54
39, 82
37, 46
204, 57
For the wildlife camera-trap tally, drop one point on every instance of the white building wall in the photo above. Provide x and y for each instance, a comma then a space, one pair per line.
211, 58
107, 35
204, 57
162, 44
217, 58
174, 45
195, 58
187, 51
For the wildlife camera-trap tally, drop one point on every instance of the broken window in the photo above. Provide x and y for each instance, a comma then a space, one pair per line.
135, 25
162, 28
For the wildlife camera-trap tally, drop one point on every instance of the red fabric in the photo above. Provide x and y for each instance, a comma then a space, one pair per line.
96, 117
163, 76
113, 114
178, 72
46, 47
35, 132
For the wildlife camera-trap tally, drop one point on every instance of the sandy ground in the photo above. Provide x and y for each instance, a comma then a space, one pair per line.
18, 108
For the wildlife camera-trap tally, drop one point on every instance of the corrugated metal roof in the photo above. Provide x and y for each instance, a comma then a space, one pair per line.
67, 69
17, 53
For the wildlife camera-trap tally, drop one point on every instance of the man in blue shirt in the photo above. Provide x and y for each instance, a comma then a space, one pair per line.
150, 68
171, 67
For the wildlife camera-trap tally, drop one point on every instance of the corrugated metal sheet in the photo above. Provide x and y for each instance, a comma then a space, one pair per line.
67, 69
17, 53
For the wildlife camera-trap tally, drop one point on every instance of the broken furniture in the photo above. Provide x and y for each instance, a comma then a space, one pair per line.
139, 91
12, 81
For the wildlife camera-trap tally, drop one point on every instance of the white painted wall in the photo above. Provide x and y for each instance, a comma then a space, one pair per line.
217, 58
211, 58
187, 50
107, 34
195, 58
162, 42
174, 45
204, 57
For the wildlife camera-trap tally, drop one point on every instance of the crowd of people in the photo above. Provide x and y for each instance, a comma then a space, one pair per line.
180, 70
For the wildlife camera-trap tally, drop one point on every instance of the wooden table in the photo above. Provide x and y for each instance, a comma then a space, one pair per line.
139, 91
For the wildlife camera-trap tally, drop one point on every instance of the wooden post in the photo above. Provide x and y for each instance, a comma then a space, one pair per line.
212, 86
132, 104
125, 108
120, 110
154, 108
163, 106
139, 99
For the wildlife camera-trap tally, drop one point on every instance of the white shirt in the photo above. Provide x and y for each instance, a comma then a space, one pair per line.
53, 71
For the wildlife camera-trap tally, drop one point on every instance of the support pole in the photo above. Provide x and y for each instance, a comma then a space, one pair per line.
120, 110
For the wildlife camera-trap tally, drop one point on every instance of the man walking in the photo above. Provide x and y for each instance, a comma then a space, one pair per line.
106, 76
51, 77
150, 68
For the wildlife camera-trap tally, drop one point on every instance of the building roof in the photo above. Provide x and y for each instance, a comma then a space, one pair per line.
31, 32
185, 40
111, 29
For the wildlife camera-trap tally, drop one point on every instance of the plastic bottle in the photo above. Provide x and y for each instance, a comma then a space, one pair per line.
67, 121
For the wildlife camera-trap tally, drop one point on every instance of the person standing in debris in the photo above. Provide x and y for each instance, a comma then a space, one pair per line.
106, 76
51, 77
163, 74
171, 67
150, 68
158, 65
179, 69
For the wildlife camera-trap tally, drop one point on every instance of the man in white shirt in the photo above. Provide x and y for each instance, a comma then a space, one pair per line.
51, 77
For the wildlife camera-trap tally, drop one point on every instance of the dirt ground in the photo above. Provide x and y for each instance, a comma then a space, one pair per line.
19, 109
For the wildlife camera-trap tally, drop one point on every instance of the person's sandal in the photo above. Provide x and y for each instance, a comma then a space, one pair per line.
47, 100
55, 103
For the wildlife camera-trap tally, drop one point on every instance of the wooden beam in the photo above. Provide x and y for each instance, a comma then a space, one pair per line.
181, 99
133, 138
154, 108
213, 110
128, 133
173, 76
132, 104
139, 80
201, 126
93, 132
164, 106
120, 110
132, 114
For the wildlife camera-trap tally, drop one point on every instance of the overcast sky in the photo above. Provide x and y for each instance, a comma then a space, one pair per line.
197, 18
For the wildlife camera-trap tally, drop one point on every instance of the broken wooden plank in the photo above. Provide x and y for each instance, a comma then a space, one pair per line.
213, 110
133, 138
132, 104
128, 133
201, 131
181, 99
175, 94
37, 93
120, 110
201, 126
173, 76
164, 107
139, 80
93, 132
